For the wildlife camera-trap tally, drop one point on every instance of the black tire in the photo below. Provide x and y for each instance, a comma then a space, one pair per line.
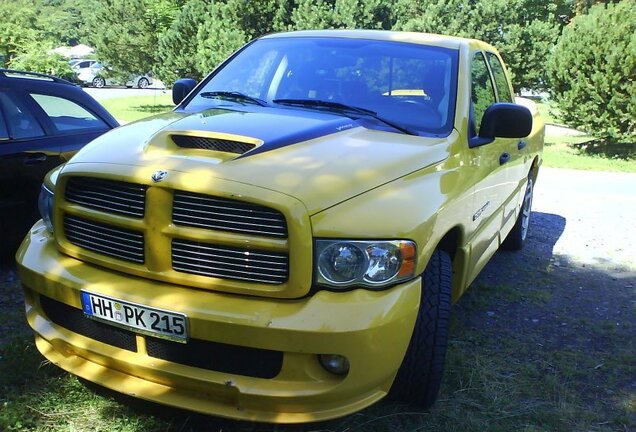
99, 82
143, 83
517, 236
420, 375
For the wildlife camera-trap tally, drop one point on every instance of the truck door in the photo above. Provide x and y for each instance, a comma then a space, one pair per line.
489, 165
515, 167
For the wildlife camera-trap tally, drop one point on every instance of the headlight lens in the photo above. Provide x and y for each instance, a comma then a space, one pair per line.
376, 264
45, 205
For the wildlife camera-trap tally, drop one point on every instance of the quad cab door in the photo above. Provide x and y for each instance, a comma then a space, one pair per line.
490, 160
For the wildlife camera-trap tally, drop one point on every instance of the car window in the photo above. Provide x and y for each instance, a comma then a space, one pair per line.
4, 132
67, 115
501, 82
482, 91
20, 122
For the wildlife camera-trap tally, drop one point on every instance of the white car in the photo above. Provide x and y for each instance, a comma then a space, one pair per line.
94, 76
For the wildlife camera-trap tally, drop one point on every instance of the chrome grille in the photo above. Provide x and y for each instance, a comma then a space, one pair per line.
210, 212
217, 144
105, 239
229, 262
107, 195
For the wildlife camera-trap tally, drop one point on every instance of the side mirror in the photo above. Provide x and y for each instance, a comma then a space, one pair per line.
181, 88
506, 120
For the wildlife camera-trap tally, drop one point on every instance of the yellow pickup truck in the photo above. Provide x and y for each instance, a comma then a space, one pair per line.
285, 245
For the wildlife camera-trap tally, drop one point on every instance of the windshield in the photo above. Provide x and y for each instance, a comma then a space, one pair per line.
408, 84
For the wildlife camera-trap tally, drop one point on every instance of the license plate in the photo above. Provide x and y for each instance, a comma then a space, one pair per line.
139, 318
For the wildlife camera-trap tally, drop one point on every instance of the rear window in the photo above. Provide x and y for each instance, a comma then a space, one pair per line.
67, 115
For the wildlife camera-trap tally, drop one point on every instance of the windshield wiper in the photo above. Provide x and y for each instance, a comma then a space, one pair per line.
343, 107
233, 95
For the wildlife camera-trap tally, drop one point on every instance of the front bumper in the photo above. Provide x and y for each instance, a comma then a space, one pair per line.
371, 329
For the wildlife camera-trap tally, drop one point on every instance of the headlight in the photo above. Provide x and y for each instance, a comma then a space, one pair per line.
342, 263
45, 205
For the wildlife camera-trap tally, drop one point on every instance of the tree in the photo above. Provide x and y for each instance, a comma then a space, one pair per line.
178, 45
522, 30
592, 71
126, 33
38, 58
345, 14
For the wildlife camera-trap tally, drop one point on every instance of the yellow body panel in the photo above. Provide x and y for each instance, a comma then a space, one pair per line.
356, 183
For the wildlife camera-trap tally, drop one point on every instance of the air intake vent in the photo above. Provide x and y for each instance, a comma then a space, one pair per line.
107, 195
216, 144
204, 211
105, 239
229, 262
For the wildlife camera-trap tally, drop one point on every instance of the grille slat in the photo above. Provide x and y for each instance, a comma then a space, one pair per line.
107, 195
105, 239
195, 257
216, 144
230, 258
273, 220
203, 211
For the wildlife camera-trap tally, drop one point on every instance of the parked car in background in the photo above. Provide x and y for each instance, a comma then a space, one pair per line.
140, 81
78, 65
98, 75
43, 121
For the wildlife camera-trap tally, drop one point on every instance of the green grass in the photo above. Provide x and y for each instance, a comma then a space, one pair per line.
129, 109
496, 384
548, 111
563, 152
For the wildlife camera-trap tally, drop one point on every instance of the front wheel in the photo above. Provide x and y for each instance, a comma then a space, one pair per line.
143, 83
517, 236
420, 375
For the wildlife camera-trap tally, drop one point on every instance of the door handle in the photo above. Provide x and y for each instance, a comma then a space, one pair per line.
521, 145
35, 158
505, 157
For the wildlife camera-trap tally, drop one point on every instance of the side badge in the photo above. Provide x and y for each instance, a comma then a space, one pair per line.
158, 176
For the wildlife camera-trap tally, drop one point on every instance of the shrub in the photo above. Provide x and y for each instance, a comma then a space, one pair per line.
36, 58
592, 72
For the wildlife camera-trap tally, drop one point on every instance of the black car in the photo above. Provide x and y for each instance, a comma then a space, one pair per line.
43, 121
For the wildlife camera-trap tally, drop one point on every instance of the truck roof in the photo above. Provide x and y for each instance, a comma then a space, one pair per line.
384, 35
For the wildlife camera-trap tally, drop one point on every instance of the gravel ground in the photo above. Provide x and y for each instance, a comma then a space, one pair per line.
579, 261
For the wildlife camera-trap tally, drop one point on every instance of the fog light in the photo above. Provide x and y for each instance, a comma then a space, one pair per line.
334, 363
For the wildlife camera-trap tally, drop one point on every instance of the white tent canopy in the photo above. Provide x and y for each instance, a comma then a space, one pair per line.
78, 51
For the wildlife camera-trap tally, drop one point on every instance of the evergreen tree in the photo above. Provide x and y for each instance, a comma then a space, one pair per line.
592, 71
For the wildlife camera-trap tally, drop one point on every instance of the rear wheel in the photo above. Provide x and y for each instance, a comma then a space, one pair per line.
99, 82
420, 375
517, 236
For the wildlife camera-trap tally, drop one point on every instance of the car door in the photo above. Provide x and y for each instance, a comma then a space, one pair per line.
516, 148
488, 160
26, 155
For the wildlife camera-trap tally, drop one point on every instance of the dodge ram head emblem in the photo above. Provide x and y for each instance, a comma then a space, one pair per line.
157, 176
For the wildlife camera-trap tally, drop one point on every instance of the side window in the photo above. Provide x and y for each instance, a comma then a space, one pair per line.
67, 115
20, 121
482, 91
4, 132
501, 81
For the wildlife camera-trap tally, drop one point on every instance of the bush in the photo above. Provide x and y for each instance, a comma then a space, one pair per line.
37, 58
592, 72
